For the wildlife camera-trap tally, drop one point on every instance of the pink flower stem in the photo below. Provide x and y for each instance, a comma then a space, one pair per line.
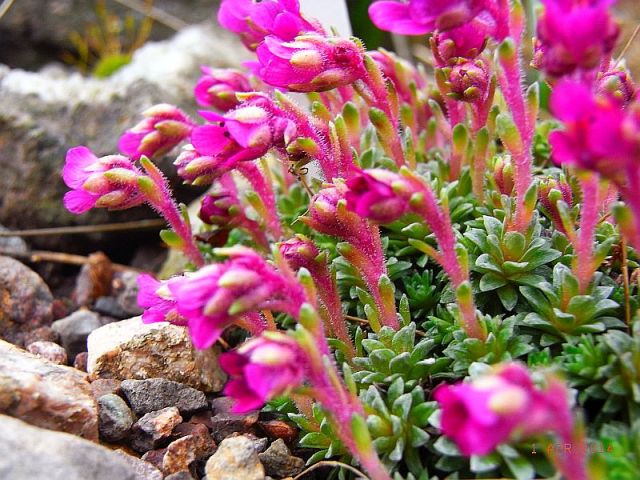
510, 80
439, 222
342, 405
583, 261
264, 190
632, 199
162, 201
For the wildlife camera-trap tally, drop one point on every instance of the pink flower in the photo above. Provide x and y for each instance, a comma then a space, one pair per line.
218, 87
245, 133
618, 85
574, 35
418, 17
164, 127
550, 191
263, 368
480, 415
253, 21
217, 295
466, 41
108, 182
469, 80
371, 195
310, 63
156, 300
598, 134
217, 209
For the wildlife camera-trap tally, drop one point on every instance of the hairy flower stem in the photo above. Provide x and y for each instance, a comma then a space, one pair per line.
510, 80
158, 195
373, 89
343, 406
583, 262
424, 203
265, 191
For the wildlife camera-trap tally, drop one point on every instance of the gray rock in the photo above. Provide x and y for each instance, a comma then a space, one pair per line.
74, 330
235, 459
224, 423
148, 432
13, 244
49, 351
25, 300
132, 350
45, 394
114, 418
143, 470
278, 461
153, 394
27, 452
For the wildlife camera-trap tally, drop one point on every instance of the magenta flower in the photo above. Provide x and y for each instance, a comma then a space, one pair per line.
217, 295
253, 21
399, 72
109, 182
157, 301
246, 133
310, 63
371, 195
550, 191
574, 35
418, 17
263, 368
468, 81
466, 41
618, 85
598, 134
163, 127
480, 415
217, 88
217, 209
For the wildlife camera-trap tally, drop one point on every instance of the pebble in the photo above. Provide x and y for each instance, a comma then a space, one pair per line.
278, 461
153, 394
179, 476
74, 330
103, 386
148, 432
235, 459
80, 362
183, 452
279, 429
41, 334
129, 349
115, 418
25, 301
225, 423
49, 351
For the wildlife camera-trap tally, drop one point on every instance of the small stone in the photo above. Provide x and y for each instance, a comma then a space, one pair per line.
103, 386
155, 457
25, 300
186, 450
235, 459
260, 444
280, 429
129, 349
94, 279
180, 476
125, 289
225, 423
49, 351
45, 394
202, 418
148, 432
278, 461
41, 334
13, 244
75, 329
80, 362
144, 470
153, 394
115, 418
189, 428
110, 307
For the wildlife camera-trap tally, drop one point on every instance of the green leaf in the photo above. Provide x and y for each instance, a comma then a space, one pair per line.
491, 281
508, 296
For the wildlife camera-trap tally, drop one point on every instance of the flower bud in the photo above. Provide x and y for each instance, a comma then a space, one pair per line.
310, 63
163, 127
503, 175
218, 209
550, 191
618, 85
468, 81
218, 87
371, 195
